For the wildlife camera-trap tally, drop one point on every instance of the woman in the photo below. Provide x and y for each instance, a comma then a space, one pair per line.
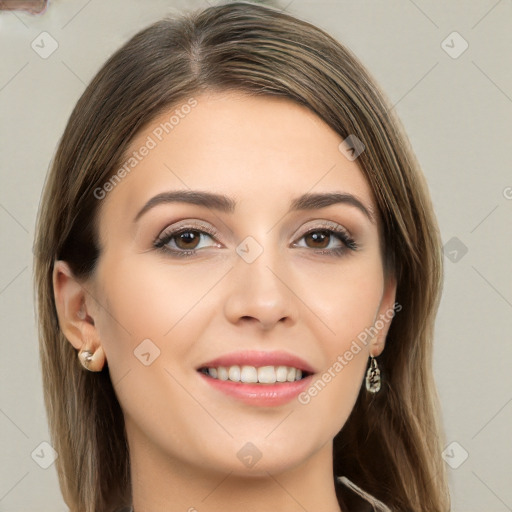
238, 269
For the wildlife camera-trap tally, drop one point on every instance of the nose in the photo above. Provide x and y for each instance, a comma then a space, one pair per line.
261, 292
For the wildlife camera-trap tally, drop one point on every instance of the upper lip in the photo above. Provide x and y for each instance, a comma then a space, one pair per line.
259, 358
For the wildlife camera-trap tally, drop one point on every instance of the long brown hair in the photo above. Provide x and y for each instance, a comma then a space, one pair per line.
391, 444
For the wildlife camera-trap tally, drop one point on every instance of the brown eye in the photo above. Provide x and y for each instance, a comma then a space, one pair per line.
320, 239
187, 239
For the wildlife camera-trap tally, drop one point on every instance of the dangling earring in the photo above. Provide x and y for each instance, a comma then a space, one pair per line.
373, 377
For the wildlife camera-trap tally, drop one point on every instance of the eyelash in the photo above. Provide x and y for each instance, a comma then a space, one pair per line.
166, 236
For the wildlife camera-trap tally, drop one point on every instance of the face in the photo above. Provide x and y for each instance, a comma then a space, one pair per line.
250, 281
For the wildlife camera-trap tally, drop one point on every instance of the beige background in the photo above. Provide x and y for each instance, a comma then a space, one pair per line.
458, 114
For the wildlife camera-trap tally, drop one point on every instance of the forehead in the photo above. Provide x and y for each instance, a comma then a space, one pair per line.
259, 149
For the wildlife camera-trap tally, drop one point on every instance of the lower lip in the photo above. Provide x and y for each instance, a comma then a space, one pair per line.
263, 395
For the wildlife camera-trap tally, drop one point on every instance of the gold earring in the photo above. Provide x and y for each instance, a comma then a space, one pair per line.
85, 357
91, 360
373, 377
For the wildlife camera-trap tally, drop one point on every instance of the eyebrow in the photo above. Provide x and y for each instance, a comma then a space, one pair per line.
225, 204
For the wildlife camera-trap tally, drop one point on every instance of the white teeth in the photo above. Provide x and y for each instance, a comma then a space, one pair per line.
222, 373
267, 375
234, 373
251, 374
281, 374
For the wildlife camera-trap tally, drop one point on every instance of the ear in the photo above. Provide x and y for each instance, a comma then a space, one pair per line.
384, 316
75, 320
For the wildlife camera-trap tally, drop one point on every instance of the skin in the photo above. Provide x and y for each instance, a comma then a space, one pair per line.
183, 434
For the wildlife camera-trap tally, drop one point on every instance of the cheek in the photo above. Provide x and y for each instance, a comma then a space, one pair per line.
343, 300
148, 300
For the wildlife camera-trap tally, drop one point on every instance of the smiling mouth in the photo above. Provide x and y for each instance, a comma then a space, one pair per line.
247, 374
